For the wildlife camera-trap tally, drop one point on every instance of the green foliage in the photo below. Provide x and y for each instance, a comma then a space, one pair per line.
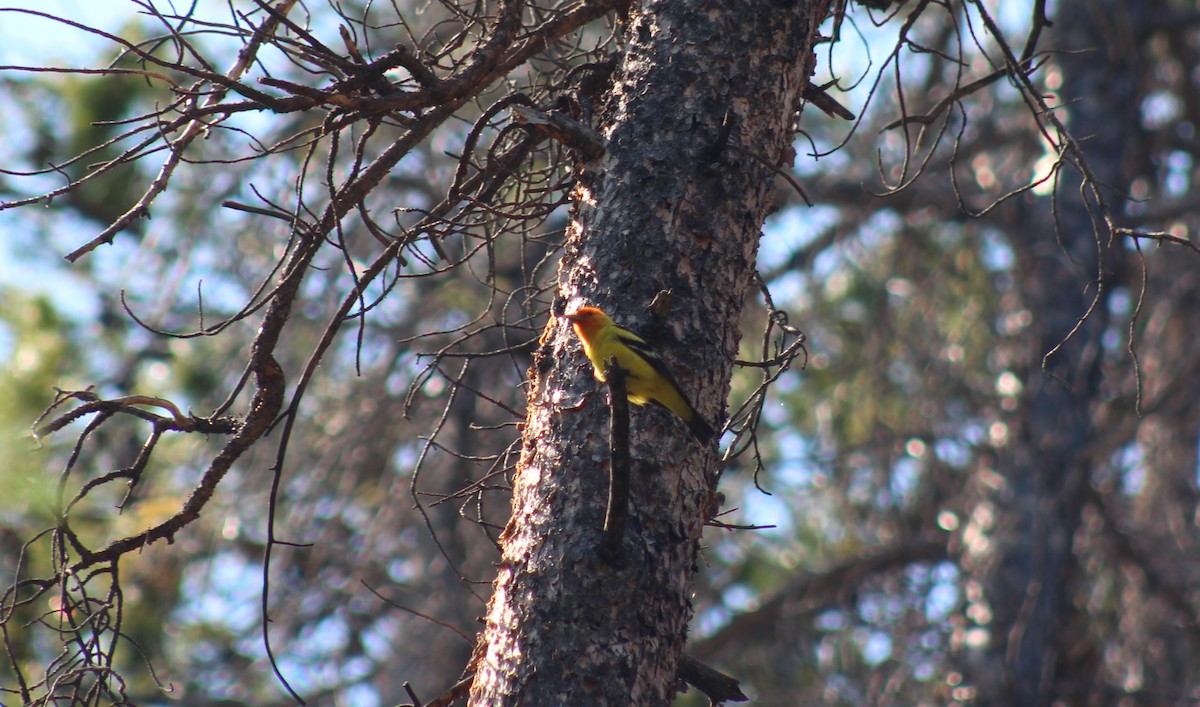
38, 349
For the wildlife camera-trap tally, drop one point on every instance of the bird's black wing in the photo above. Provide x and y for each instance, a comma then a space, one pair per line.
639, 346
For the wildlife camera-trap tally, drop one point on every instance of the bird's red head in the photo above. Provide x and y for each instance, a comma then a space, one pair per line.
588, 319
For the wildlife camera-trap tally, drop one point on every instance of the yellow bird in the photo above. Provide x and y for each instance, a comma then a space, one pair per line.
649, 379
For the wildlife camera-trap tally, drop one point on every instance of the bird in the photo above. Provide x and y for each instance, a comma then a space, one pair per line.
648, 379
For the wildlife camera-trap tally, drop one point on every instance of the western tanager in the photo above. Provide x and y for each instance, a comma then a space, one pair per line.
649, 380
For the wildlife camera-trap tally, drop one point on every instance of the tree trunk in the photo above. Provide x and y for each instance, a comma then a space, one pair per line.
1036, 654
705, 94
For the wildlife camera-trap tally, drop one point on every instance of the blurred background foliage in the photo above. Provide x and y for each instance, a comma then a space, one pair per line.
880, 459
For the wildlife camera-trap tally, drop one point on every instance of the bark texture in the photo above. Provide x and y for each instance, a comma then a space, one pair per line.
675, 203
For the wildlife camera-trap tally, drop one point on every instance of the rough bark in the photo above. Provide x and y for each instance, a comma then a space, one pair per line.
704, 95
1065, 256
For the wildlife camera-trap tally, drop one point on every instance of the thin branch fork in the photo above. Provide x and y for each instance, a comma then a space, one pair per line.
265, 406
190, 133
128, 405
